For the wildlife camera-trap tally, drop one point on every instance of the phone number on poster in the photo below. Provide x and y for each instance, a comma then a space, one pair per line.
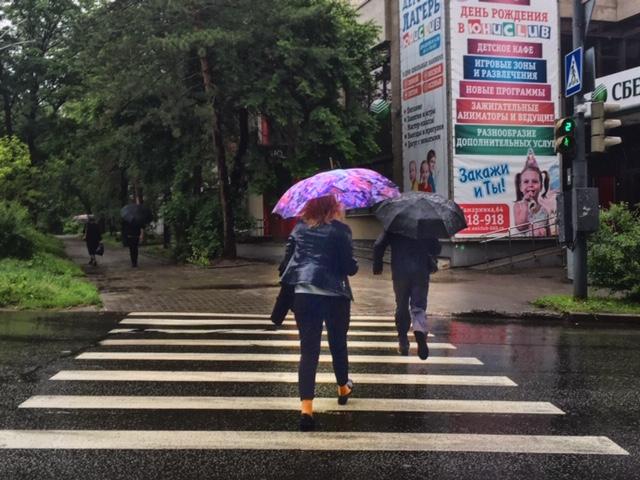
485, 218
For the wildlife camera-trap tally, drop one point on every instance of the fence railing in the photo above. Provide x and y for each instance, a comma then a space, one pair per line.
255, 230
523, 232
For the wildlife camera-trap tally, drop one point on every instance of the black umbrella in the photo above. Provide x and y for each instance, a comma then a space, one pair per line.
421, 215
136, 214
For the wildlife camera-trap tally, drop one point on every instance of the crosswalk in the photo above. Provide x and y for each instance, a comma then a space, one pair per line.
152, 356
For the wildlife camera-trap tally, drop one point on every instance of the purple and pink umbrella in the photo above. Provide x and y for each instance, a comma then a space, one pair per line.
353, 187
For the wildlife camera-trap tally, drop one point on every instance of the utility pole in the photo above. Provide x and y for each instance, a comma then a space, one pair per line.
579, 168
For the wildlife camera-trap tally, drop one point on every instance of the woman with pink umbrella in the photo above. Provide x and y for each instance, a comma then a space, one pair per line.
319, 259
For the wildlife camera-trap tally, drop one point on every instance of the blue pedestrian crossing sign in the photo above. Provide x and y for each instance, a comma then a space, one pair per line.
573, 72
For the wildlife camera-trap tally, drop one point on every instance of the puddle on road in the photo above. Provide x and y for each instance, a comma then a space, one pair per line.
35, 326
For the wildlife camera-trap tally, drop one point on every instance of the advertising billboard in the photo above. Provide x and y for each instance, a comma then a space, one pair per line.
423, 73
504, 74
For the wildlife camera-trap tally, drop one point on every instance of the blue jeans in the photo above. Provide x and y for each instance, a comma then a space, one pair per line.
310, 312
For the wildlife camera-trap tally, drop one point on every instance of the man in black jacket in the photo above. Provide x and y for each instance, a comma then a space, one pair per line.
412, 262
93, 238
131, 234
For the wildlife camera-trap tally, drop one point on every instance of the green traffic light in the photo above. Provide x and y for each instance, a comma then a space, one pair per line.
565, 130
568, 125
566, 145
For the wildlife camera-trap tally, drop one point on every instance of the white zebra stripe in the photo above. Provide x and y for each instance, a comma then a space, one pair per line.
232, 322
242, 331
225, 342
275, 377
309, 441
268, 357
239, 315
137, 402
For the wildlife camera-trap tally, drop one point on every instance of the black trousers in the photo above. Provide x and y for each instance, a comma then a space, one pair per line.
411, 302
91, 248
133, 243
310, 312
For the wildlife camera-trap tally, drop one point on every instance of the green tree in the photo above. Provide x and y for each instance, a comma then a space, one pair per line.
614, 251
302, 63
14, 160
157, 100
35, 68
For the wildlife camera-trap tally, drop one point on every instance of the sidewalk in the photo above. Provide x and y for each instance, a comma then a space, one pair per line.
250, 285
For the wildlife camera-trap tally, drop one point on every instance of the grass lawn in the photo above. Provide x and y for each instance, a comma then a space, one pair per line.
48, 280
566, 304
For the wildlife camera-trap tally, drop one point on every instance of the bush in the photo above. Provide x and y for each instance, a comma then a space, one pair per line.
72, 227
197, 226
17, 236
614, 251
45, 281
205, 233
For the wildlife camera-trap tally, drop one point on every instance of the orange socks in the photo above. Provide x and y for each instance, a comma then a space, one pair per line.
306, 407
344, 390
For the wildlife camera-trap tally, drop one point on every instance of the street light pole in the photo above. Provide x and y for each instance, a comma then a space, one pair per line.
579, 168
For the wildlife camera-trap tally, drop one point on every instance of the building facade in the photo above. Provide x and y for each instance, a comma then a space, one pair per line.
614, 33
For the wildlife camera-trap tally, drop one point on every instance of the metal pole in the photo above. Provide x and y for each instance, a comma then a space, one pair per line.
579, 170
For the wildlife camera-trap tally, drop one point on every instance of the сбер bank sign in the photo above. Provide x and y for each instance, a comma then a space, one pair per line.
622, 88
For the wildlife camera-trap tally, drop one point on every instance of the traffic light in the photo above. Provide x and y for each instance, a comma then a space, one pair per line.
600, 124
565, 132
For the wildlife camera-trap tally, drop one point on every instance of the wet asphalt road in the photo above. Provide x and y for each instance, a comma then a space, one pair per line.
588, 371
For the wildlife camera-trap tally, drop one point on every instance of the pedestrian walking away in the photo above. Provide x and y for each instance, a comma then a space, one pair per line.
412, 224
92, 237
412, 262
132, 234
319, 259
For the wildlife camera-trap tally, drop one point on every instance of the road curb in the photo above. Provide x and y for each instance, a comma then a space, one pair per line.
604, 317
573, 317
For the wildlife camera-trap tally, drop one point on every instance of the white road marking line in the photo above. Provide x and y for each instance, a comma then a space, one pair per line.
281, 377
325, 441
227, 342
240, 331
241, 315
269, 357
137, 402
232, 322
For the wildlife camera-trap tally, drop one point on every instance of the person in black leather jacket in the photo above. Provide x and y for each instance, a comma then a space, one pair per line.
318, 260
412, 262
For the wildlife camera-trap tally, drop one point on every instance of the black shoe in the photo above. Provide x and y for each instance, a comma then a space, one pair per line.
403, 346
423, 349
342, 399
307, 423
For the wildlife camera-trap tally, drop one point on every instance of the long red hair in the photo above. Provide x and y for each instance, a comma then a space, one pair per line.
322, 210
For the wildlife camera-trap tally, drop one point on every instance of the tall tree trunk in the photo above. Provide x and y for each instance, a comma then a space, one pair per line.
32, 115
124, 187
166, 228
238, 174
197, 180
138, 192
6, 105
228, 234
124, 200
8, 121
